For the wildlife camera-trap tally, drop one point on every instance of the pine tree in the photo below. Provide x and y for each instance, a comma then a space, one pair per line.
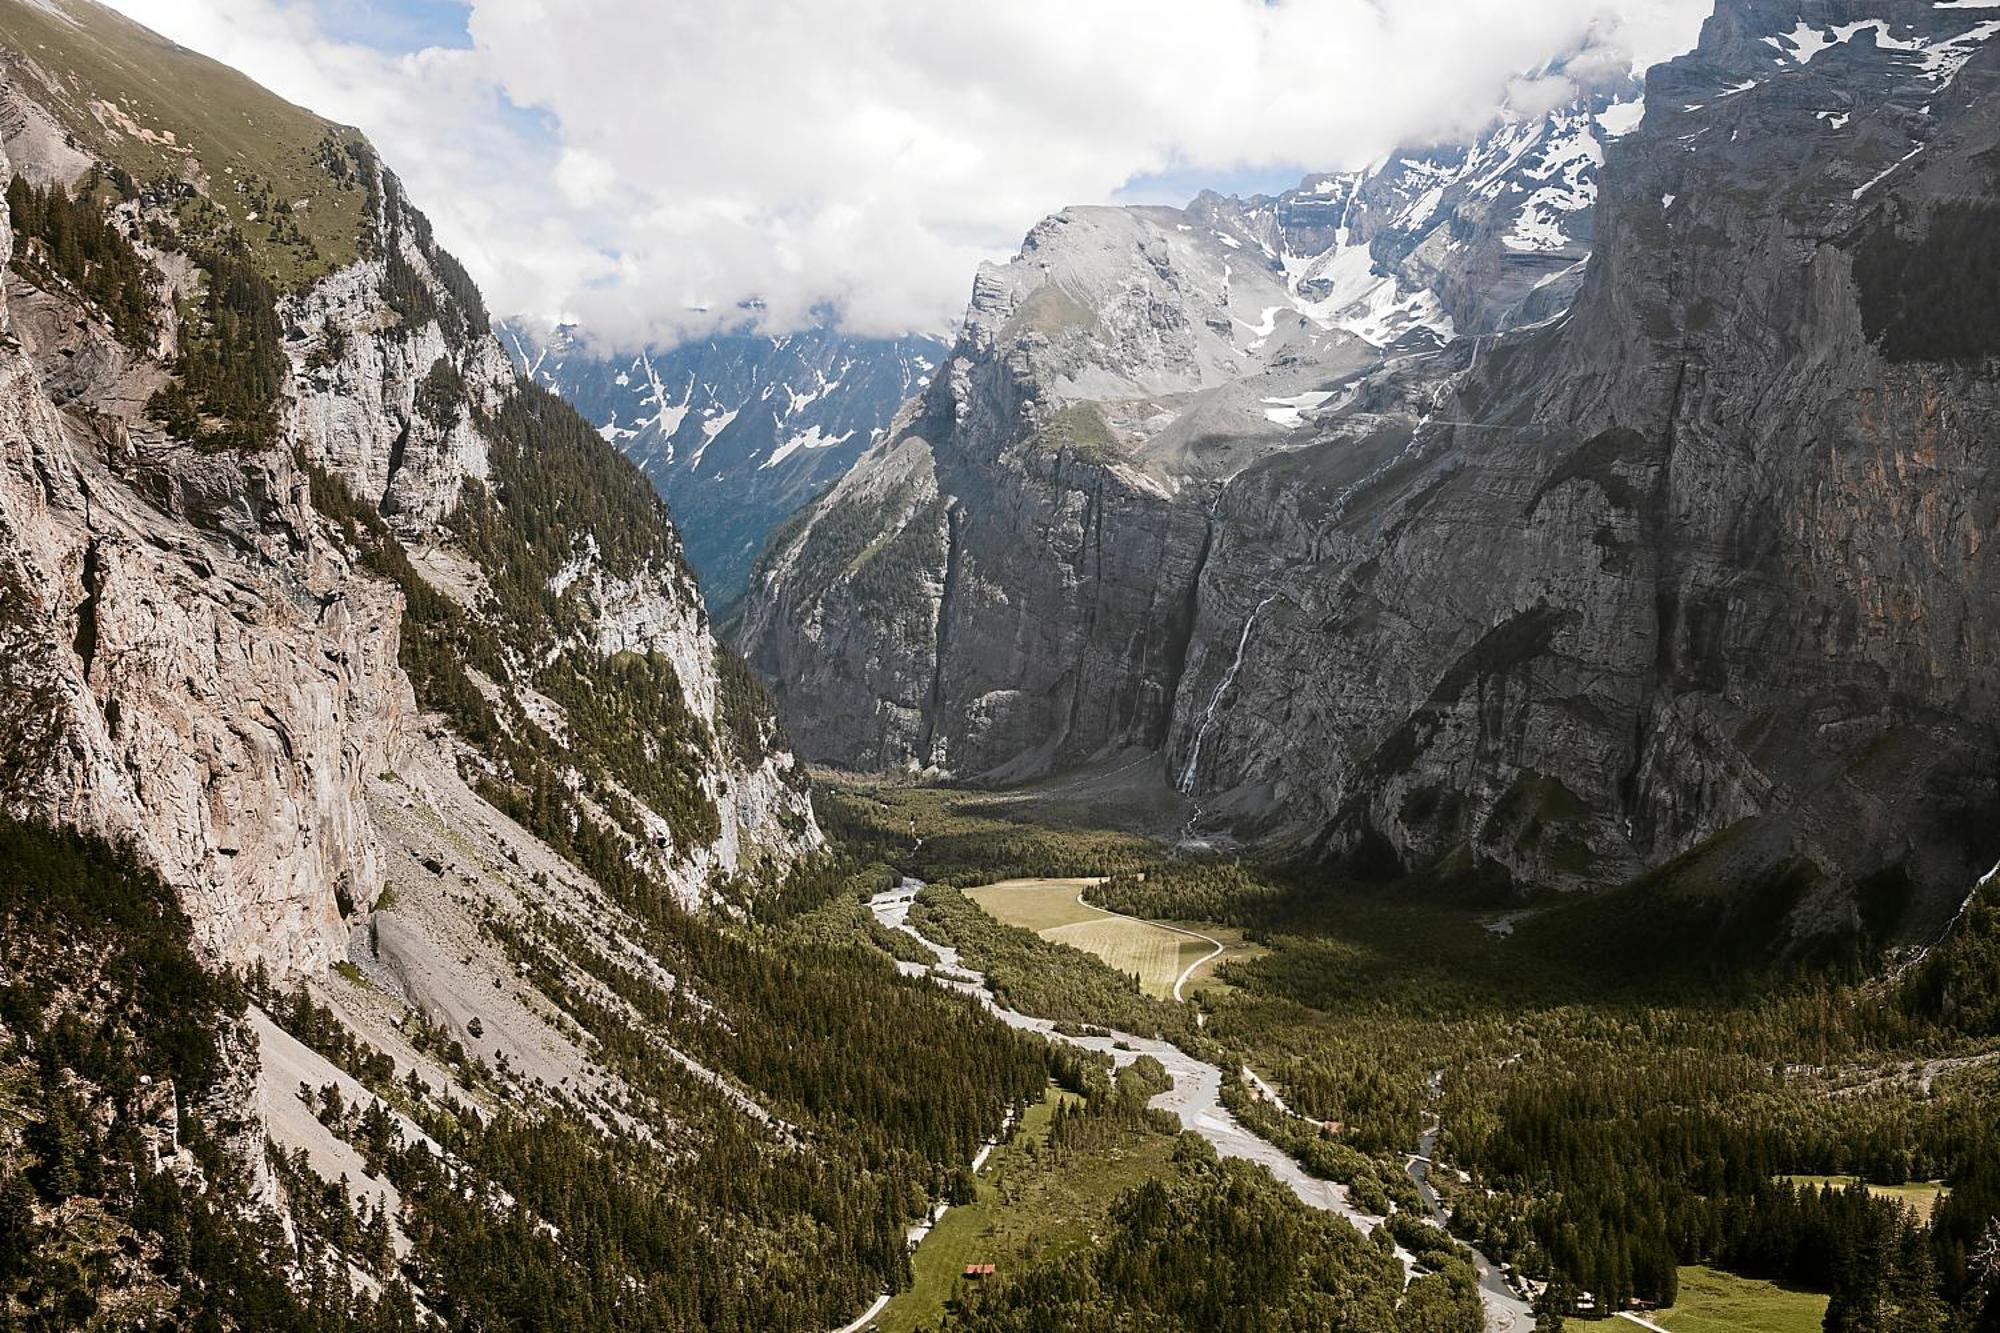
57, 1144
18, 1231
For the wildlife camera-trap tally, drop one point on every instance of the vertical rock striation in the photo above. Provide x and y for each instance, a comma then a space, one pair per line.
1688, 571
196, 655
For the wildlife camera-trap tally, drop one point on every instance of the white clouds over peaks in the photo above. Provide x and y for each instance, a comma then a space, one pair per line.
866, 154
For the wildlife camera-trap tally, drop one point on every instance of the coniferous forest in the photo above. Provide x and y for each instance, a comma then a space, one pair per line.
1415, 752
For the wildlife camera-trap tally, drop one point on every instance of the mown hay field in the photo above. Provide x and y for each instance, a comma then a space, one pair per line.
1154, 953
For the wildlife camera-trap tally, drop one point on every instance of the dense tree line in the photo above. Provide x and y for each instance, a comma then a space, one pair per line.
1664, 1138
558, 490
60, 237
885, 570
963, 838
1221, 1247
744, 709
1615, 1168
1198, 1244
1195, 889
1375, 1185
618, 1235
461, 312
440, 396
108, 1025
843, 537
1958, 984
232, 363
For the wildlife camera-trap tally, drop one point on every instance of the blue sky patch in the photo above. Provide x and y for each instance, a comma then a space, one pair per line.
396, 27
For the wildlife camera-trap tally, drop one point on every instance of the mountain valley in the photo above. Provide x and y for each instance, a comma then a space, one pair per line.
736, 431
1555, 605
1415, 754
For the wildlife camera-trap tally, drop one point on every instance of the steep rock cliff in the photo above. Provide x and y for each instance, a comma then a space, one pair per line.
204, 653
1693, 576
1690, 578
1007, 583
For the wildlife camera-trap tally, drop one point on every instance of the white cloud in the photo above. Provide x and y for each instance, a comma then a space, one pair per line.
585, 178
866, 154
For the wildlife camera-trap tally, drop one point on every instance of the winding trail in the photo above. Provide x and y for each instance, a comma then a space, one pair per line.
867, 1316
1267, 1092
1214, 945
1195, 1099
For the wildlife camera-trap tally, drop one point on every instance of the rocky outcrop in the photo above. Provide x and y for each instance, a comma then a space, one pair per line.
400, 413
1691, 579
358, 382
1007, 584
202, 661
188, 664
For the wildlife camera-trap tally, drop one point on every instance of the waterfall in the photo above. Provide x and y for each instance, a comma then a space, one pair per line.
1222, 687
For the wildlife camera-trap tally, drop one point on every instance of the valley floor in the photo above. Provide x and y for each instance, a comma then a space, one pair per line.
1714, 1302
1169, 959
1624, 1104
1194, 1098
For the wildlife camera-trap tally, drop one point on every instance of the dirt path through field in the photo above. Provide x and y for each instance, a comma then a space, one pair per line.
1215, 946
1156, 952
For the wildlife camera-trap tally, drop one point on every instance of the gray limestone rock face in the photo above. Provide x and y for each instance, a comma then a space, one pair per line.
1695, 572
1007, 583
195, 659
189, 666
1689, 571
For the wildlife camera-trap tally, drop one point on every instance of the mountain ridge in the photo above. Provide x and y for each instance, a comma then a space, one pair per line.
1167, 350
372, 677
736, 431
1448, 630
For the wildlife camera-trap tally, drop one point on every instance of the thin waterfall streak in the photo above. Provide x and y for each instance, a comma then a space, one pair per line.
1222, 687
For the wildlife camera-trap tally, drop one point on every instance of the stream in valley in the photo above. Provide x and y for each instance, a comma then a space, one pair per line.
1195, 1098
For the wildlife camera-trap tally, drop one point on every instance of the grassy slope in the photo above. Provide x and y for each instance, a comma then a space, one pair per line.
1922, 1195
1714, 1302
1028, 1204
1153, 955
222, 125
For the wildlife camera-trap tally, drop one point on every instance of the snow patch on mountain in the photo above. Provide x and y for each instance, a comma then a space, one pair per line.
1290, 411
763, 422
713, 423
1941, 58
1570, 167
811, 438
1379, 258
1621, 118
